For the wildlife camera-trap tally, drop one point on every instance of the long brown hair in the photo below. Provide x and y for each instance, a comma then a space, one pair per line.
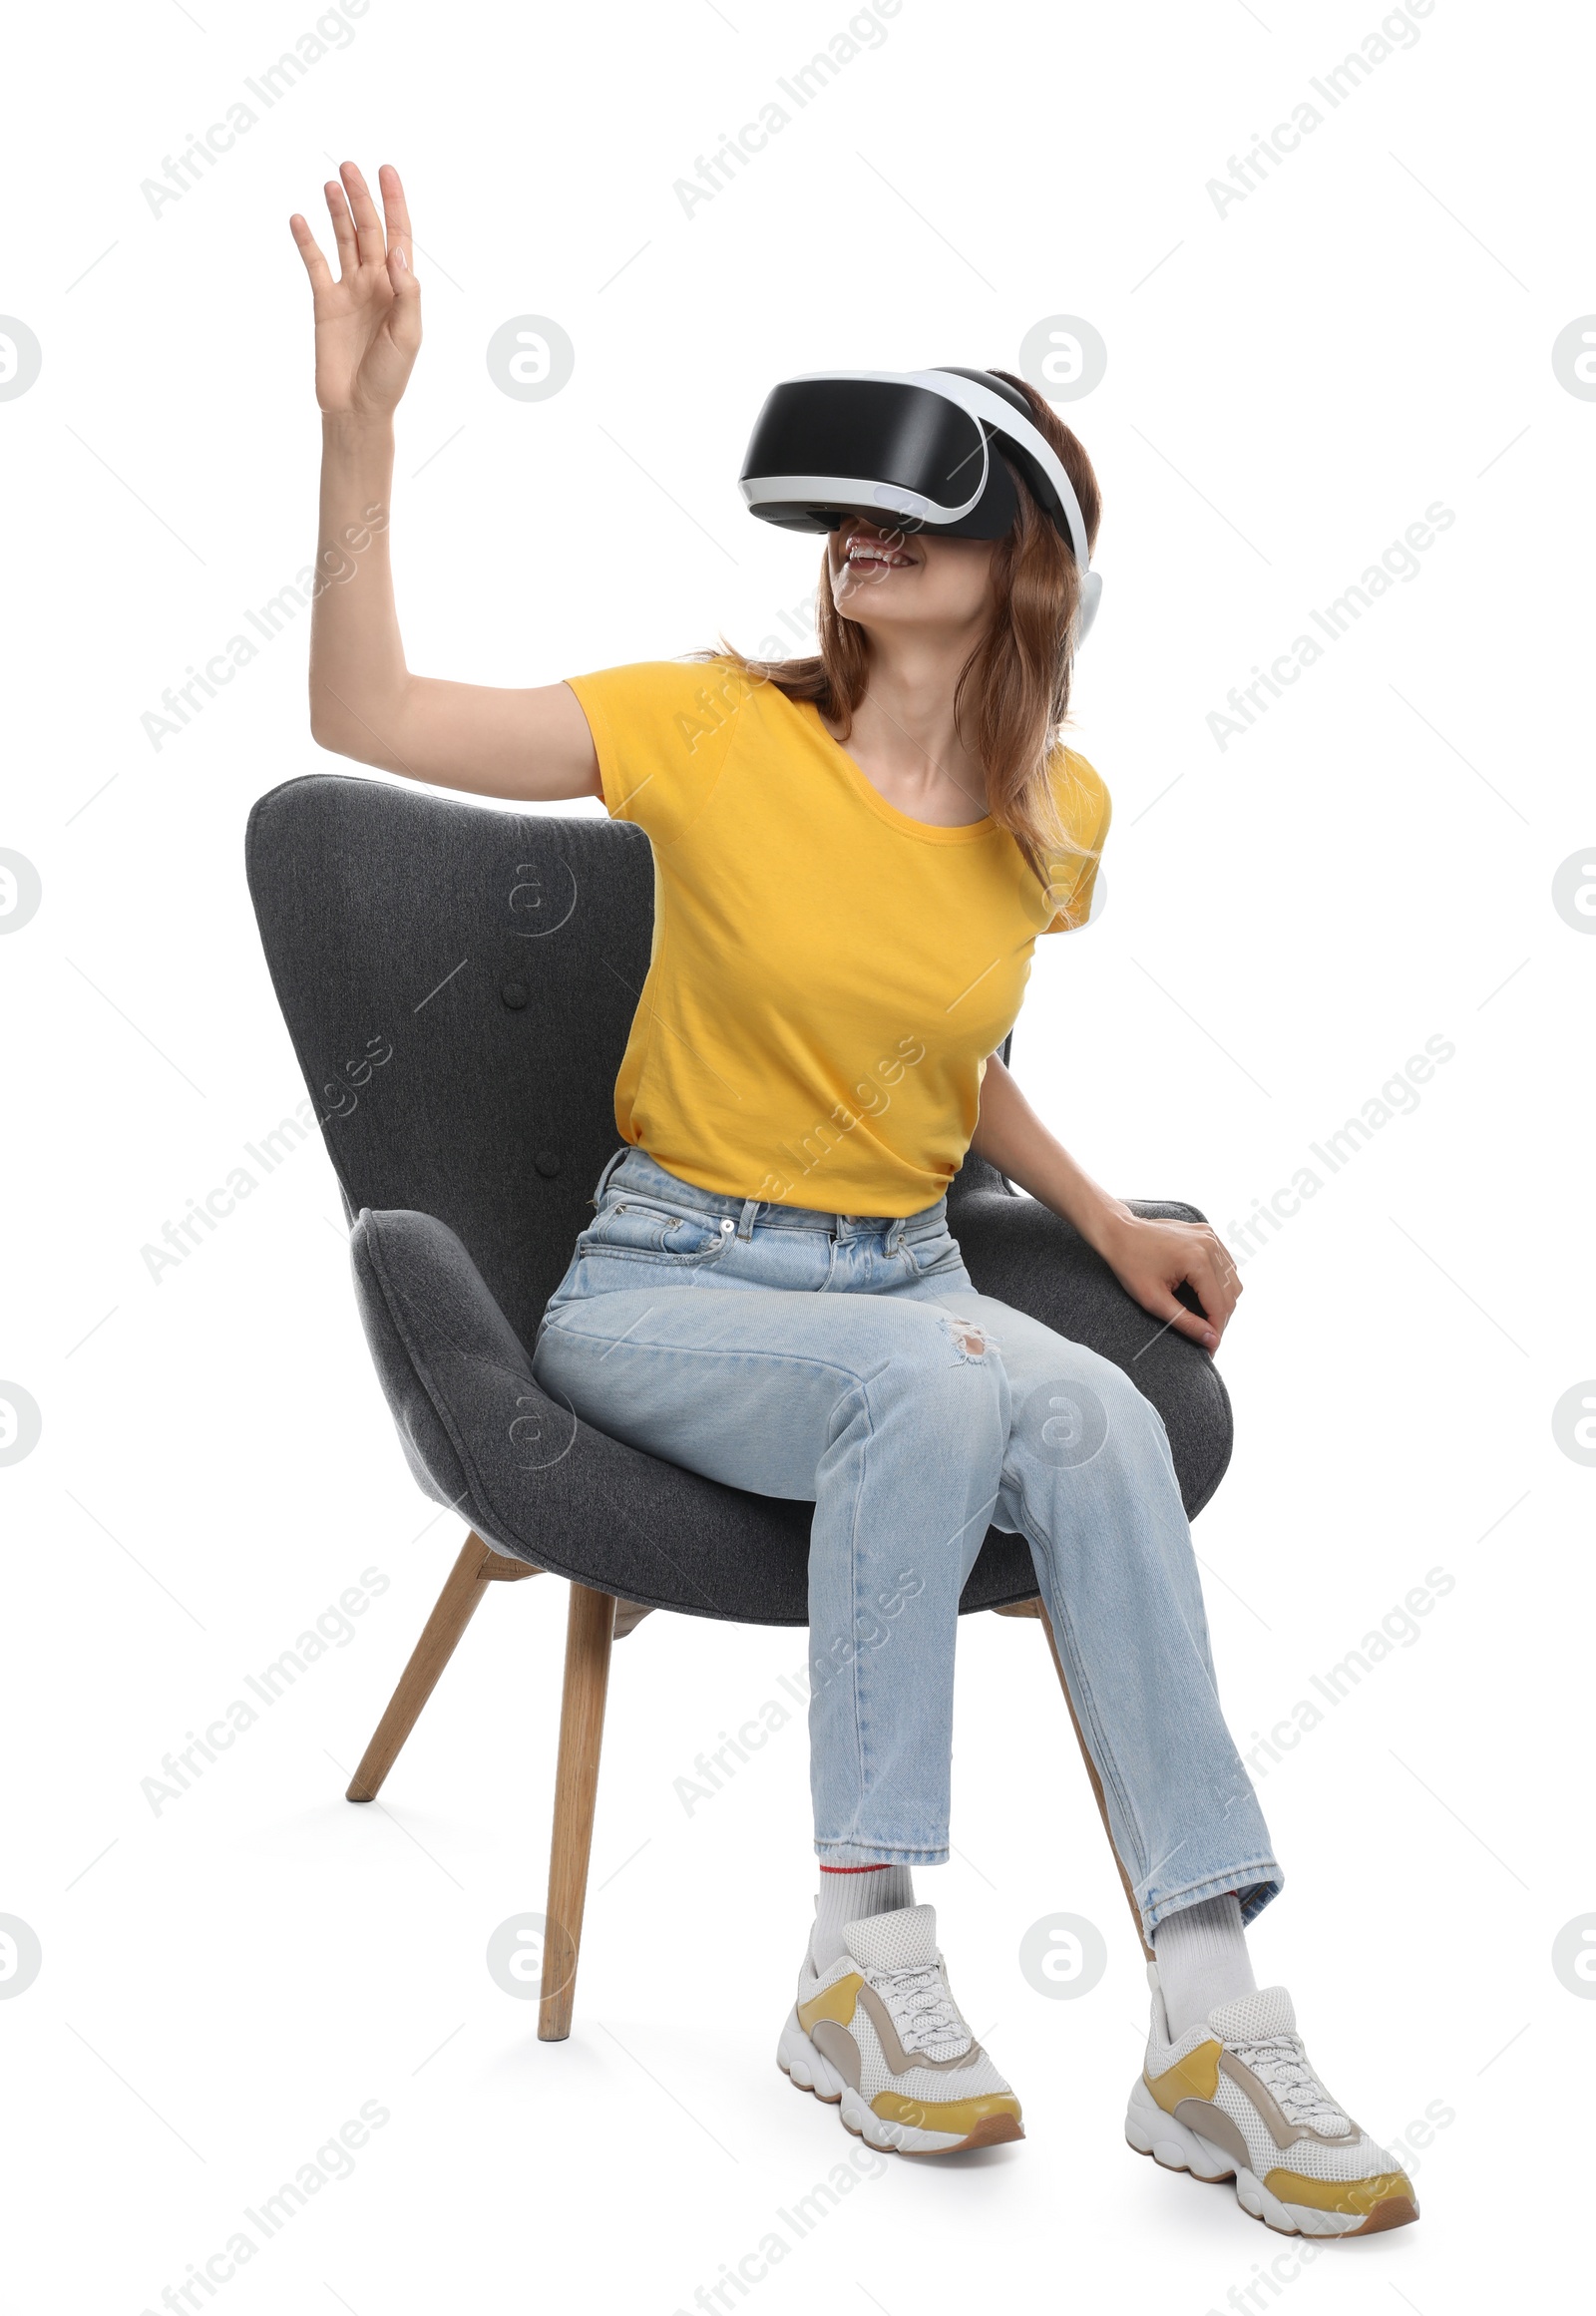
1012, 694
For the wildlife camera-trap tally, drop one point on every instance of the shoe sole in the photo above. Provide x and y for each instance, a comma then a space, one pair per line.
806, 2068
1176, 2149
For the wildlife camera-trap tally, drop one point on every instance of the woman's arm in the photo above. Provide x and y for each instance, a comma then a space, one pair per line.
364, 701
1149, 1258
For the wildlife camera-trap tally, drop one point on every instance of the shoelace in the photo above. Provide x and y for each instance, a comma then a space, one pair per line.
1281, 2064
922, 2009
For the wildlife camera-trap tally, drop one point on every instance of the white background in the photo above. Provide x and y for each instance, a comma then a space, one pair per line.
1289, 386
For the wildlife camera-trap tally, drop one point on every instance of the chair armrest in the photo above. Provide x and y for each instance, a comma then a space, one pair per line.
429, 1320
535, 1481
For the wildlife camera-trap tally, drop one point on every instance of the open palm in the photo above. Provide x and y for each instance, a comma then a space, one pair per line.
368, 320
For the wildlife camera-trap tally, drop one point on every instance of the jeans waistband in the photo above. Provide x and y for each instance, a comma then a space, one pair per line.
634, 1169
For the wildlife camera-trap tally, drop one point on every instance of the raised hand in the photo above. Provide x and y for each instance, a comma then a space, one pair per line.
368, 320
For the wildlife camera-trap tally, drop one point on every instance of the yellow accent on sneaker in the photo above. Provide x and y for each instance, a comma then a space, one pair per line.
1194, 2077
833, 2002
946, 2115
1350, 2195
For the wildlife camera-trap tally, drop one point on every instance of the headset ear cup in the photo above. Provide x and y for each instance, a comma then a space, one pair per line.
1091, 594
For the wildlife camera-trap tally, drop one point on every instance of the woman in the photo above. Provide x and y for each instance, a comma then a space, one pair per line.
854, 857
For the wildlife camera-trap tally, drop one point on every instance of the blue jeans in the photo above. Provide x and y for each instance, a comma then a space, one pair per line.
847, 1361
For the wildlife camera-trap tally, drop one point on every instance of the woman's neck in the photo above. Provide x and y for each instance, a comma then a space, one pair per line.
903, 737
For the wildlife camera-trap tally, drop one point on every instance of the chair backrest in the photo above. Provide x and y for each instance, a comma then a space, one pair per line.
459, 986
459, 982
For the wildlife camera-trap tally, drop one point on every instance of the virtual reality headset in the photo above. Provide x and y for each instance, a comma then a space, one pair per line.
912, 448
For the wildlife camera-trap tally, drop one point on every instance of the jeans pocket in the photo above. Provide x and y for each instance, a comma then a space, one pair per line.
652, 1233
934, 1252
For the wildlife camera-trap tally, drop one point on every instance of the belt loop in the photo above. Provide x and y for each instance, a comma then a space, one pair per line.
746, 1226
895, 1237
610, 1168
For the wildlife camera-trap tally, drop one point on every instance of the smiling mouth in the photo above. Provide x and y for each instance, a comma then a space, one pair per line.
876, 554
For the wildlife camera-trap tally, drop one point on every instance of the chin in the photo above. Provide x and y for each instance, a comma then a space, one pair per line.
849, 593
867, 614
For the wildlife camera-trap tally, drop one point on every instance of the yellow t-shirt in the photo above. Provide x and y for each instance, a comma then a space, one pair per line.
826, 976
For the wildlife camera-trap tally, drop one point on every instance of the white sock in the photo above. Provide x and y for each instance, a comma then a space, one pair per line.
849, 1897
1201, 1954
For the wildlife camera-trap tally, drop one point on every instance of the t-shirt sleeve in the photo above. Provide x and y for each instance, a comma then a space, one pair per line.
663, 731
1085, 810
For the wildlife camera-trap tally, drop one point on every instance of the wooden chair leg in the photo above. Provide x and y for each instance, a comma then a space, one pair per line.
1034, 1608
478, 1566
589, 1634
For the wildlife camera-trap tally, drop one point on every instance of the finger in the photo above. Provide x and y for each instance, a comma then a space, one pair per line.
1213, 1290
309, 250
343, 229
1224, 1258
1217, 1306
404, 315
1211, 1274
1190, 1324
368, 225
396, 212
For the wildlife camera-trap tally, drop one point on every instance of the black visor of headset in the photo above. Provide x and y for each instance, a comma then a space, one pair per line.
911, 448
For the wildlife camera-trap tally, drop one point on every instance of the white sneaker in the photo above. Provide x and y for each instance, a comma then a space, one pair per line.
1236, 2098
879, 2031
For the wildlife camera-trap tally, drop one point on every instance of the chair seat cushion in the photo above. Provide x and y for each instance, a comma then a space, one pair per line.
541, 1485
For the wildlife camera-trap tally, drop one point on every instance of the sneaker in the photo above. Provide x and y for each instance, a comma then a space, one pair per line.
879, 2031
1236, 2098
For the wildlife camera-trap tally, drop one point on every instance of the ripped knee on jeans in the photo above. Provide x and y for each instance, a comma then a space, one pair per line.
969, 1340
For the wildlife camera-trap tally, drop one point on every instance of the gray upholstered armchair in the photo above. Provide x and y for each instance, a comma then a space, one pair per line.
458, 982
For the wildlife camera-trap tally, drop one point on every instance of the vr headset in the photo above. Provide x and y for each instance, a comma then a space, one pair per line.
915, 446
